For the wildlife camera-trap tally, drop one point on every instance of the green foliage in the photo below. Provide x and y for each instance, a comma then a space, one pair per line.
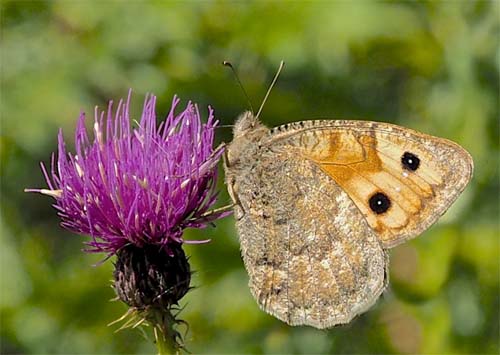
431, 66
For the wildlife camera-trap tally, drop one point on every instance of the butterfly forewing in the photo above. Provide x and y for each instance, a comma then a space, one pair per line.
401, 180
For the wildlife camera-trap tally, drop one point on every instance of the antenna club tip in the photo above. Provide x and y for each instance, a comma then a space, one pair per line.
227, 63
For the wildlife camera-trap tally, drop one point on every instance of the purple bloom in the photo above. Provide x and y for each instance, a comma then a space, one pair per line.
140, 186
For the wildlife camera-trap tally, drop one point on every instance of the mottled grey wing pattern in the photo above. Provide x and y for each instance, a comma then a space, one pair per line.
311, 256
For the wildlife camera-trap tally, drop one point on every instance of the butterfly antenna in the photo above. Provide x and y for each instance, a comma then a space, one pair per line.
228, 64
282, 64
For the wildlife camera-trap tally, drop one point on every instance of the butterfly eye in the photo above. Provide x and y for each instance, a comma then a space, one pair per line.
379, 203
410, 161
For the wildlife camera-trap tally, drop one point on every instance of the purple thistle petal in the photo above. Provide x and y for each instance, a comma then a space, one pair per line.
136, 186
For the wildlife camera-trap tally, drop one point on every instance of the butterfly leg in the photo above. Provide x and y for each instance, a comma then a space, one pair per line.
217, 210
232, 189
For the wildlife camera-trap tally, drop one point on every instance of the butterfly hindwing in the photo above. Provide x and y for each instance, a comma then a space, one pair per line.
311, 257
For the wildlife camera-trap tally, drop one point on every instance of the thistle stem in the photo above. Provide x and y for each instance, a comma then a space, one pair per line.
166, 345
167, 338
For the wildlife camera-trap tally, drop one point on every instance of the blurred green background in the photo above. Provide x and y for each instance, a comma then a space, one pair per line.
431, 66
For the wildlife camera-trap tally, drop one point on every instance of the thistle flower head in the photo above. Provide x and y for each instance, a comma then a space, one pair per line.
136, 186
134, 191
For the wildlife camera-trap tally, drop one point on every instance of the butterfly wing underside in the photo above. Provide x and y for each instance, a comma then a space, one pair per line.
311, 257
317, 203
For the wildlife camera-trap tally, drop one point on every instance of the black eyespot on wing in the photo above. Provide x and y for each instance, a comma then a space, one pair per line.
410, 161
379, 203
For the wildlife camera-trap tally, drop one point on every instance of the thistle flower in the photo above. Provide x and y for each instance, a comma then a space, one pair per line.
134, 191
136, 186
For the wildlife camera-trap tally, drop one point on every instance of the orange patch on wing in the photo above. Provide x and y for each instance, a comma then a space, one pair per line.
361, 167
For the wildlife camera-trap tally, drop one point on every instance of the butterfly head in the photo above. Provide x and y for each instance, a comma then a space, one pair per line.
248, 131
247, 125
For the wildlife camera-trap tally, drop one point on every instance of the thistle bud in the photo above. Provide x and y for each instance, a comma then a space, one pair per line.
151, 276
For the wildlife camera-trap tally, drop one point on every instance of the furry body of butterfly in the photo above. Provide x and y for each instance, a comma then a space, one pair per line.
318, 203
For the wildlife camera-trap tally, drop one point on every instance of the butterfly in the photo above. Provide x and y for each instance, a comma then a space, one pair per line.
319, 203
